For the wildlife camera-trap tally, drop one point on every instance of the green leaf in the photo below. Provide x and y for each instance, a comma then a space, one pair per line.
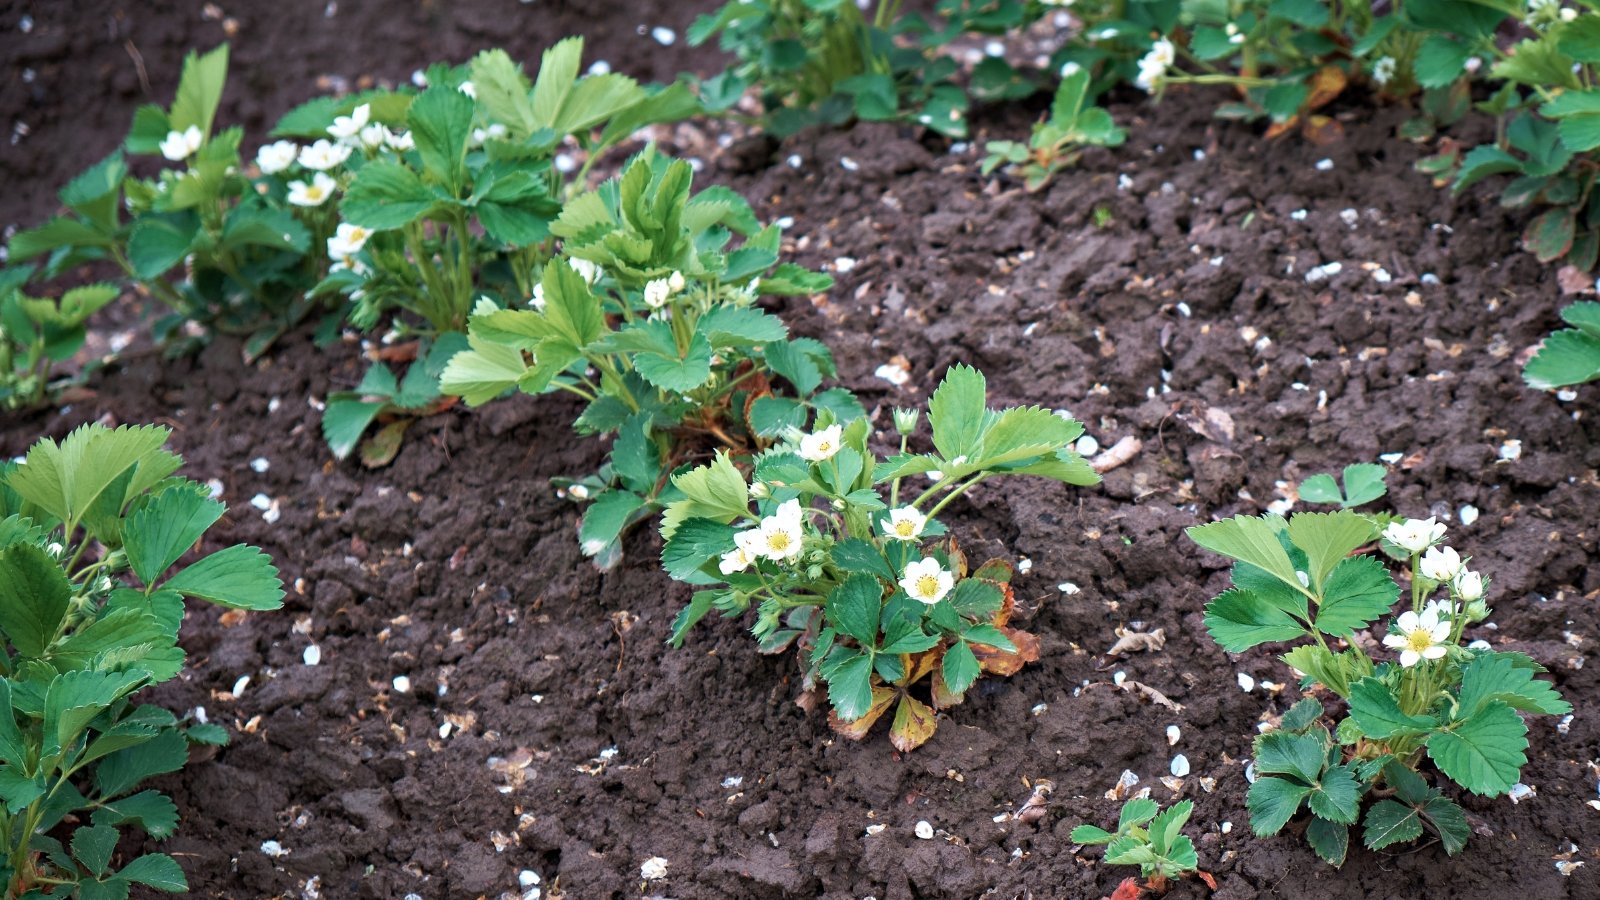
1441, 60
1166, 828
156, 870
151, 810
53, 234
957, 412
1496, 677
1272, 802
1238, 620
200, 90
160, 530
122, 771
1390, 822
856, 556
385, 195
738, 326
1450, 821
1089, 834
34, 594
850, 687
558, 72
240, 577
607, 517
1359, 591
1550, 236
17, 789
1329, 840
854, 607
699, 605
1282, 753
1567, 357
960, 667
67, 479
716, 490
1337, 797
570, 306
1378, 715
1364, 483
484, 372
93, 846
74, 698
1483, 753
1137, 811
695, 543
976, 599
502, 91
441, 121
668, 369
344, 421
1327, 539
1250, 539
1311, 14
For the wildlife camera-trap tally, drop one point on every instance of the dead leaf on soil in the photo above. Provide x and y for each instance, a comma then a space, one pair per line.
1127, 890
1121, 453
1138, 641
1574, 280
914, 723
1004, 662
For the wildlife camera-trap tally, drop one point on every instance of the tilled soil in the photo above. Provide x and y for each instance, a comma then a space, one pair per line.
1181, 314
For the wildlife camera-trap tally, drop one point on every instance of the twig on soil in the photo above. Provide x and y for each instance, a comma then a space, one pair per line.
1121, 453
138, 64
1149, 693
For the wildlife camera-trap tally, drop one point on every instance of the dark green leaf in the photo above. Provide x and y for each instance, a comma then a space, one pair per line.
240, 577
1377, 713
1389, 822
1272, 802
33, 597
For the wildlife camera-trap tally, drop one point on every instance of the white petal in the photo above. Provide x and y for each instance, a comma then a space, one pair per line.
1409, 658
1436, 651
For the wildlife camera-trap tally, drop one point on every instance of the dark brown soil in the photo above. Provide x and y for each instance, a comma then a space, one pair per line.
458, 567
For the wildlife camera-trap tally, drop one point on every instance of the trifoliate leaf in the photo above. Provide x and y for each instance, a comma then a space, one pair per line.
1250, 539
1496, 677
1272, 802
1302, 715
68, 479
957, 412
240, 577
1337, 797
1484, 753
976, 599
1358, 592
1327, 539
1390, 822
1238, 620
1329, 840
1377, 712
33, 597
122, 771
854, 608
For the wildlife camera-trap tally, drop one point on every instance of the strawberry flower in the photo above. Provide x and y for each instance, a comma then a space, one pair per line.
275, 157
314, 194
821, 445
1420, 636
1414, 535
180, 145
780, 533
927, 581
905, 524
1442, 564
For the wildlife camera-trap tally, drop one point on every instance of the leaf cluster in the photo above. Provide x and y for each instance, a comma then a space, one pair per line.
36, 333
1073, 123
93, 532
1148, 837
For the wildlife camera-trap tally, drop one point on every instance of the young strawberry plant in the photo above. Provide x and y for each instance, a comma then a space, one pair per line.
203, 237
392, 403
881, 611
1436, 700
92, 532
649, 315
1569, 356
1363, 483
1148, 837
36, 333
1073, 124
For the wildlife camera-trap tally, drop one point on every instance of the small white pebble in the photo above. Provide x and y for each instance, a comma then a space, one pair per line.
260, 465
1565, 724
1174, 734
894, 373
1349, 217
565, 164
1430, 278
402, 684
1566, 395
924, 830
527, 878
240, 685
1381, 275
313, 655
1087, 445
1246, 683
1024, 565
261, 502
215, 486
1324, 165
1299, 215
608, 753
875, 829
600, 67
733, 782
1250, 771
793, 160
1226, 827
844, 264
444, 730
1183, 309
1468, 514
1068, 588
654, 869
1511, 449
848, 164
1520, 792
1180, 765
273, 849
1040, 709
1124, 182
664, 36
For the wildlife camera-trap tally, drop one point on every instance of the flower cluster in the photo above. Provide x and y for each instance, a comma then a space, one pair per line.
1153, 65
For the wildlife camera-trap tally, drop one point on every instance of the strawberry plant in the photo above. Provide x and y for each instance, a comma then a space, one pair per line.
92, 534
879, 603
1148, 837
1057, 141
1456, 706
38, 332
1569, 356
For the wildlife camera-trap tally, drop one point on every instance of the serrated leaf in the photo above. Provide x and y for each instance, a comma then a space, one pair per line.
914, 723
440, 120
957, 412
1303, 756
122, 771
1484, 753
200, 90
385, 195
853, 609
151, 810
960, 667
1389, 822
93, 846
239, 577
1137, 811
1358, 592
1337, 797
1450, 821
161, 529
1567, 357
1272, 802
156, 870
1550, 235
1250, 539
1089, 834
1378, 714
1238, 620
1494, 677
850, 687
695, 543
1329, 840
1327, 539
34, 594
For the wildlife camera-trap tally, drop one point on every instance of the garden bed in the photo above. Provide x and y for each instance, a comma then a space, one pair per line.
1181, 315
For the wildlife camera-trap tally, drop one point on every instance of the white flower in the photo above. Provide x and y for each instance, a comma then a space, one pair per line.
347, 128
537, 300
1153, 66
927, 581
274, 158
495, 131
1469, 585
747, 546
676, 281
323, 156
180, 145
588, 271
1419, 636
400, 141
656, 293
467, 87
1414, 535
822, 445
350, 263
373, 136
905, 524
1383, 70
1568, 14
314, 194
1069, 69
1441, 564
780, 534
348, 240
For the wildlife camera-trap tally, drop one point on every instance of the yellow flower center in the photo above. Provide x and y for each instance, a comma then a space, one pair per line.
927, 585
905, 528
1419, 640
778, 541
314, 193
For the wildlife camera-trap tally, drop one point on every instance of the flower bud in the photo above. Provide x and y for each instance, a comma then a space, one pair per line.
759, 490
1477, 611
905, 420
